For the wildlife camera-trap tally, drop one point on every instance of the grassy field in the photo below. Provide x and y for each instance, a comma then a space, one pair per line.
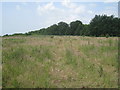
59, 61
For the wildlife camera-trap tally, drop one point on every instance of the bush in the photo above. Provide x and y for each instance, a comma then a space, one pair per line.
6, 35
107, 35
52, 37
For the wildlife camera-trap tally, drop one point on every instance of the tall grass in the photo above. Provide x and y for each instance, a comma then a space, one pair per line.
70, 58
59, 61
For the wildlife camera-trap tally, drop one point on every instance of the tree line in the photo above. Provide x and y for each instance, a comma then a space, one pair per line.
100, 25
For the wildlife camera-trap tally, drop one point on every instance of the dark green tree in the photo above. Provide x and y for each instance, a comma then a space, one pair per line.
85, 30
100, 25
75, 27
63, 28
104, 25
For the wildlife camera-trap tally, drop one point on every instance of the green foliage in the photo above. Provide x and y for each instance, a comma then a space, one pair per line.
104, 25
5, 35
75, 27
107, 35
62, 28
100, 25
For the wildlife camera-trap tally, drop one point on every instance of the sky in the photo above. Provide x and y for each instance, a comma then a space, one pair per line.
21, 17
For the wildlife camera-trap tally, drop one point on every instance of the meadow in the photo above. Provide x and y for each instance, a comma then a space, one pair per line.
59, 62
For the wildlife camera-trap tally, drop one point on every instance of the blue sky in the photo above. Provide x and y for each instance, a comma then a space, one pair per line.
21, 17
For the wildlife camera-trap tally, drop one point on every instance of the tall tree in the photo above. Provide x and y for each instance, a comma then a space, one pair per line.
104, 25
63, 28
75, 25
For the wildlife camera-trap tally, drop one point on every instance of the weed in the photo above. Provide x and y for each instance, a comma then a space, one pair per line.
100, 71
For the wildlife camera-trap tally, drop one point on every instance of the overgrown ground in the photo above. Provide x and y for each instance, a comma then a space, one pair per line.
60, 61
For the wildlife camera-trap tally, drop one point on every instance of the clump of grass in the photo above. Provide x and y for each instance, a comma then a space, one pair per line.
70, 58
16, 54
100, 71
41, 53
107, 35
110, 42
15, 40
16, 84
52, 37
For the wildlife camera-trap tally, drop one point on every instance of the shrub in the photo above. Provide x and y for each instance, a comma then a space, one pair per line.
107, 35
52, 37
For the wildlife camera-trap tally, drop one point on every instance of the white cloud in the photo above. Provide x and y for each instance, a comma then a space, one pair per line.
69, 11
74, 8
46, 8
49, 6
18, 7
80, 9
68, 4
90, 12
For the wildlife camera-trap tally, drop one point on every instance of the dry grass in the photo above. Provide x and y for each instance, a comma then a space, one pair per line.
60, 61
